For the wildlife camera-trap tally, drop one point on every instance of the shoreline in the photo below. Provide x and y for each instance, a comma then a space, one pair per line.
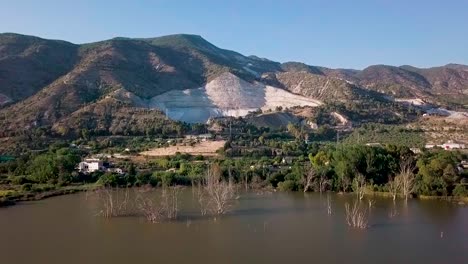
37, 196
462, 200
19, 197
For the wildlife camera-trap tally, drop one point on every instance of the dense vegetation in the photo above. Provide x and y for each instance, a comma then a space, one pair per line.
386, 134
270, 161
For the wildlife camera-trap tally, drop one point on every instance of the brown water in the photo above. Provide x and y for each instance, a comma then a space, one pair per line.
271, 228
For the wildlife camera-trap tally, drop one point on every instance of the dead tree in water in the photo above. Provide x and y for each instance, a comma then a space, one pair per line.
406, 178
215, 195
113, 201
156, 208
394, 186
202, 200
359, 185
170, 201
309, 179
323, 183
356, 215
345, 182
149, 208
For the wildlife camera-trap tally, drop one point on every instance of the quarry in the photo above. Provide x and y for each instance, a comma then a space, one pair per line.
227, 95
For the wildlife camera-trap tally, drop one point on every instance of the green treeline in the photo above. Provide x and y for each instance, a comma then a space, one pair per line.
336, 168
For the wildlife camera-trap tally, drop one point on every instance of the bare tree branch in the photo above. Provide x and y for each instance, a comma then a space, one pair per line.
357, 215
406, 178
309, 178
359, 185
215, 194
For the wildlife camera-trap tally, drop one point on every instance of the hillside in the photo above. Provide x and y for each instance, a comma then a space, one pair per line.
55, 84
28, 64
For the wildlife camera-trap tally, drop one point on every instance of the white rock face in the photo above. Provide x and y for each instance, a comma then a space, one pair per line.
227, 95
414, 101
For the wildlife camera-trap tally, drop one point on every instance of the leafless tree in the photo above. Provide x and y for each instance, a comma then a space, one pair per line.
202, 200
359, 185
156, 208
357, 215
394, 185
323, 183
150, 209
170, 201
345, 182
113, 201
309, 179
216, 195
406, 178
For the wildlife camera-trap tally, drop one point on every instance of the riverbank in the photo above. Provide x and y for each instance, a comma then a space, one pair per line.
454, 199
11, 197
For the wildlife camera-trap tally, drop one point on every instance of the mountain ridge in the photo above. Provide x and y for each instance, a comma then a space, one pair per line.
44, 81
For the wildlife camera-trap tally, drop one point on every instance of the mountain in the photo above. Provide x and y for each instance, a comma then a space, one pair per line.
28, 64
52, 84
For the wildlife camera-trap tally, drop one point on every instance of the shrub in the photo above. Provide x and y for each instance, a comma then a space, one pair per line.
460, 191
108, 179
275, 178
19, 180
287, 185
26, 187
165, 177
142, 178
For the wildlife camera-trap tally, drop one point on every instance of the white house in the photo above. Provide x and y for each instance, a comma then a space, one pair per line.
116, 170
453, 145
415, 150
287, 160
90, 165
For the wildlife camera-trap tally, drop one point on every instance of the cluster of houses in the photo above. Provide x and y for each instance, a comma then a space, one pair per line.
202, 137
447, 146
92, 165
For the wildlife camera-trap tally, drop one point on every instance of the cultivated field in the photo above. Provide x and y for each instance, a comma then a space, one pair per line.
204, 148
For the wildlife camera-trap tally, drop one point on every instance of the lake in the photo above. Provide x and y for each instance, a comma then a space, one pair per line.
261, 228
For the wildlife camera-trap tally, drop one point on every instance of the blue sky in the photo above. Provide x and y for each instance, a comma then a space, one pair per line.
347, 34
